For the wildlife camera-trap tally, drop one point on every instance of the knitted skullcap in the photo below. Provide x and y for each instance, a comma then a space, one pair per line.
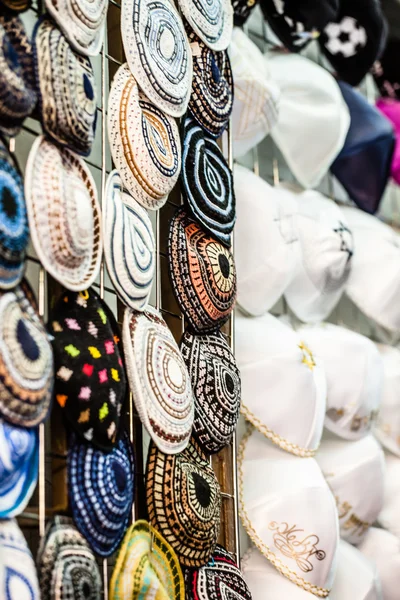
66, 565
18, 579
26, 360
211, 21
90, 383
100, 489
184, 502
14, 234
66, 87
207, 182
144, 142
17, 81
19, 462
146, 567
159, 380
158, 53
211, 100
64, 214
216, 386
129, 244
81, 22
219, 578
202, 272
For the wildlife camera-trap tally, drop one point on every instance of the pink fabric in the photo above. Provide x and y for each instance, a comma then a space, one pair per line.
391, 109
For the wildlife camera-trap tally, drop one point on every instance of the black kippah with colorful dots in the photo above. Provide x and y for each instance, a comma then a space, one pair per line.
90, 383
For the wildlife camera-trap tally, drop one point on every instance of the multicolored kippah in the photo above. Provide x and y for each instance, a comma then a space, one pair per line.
90, 382
184, 502
207, 182
64, 214
216, 387
66, 86
158, 53
242, 10
211, 21
159, 380
67, 567
202, 272
17, 81
129, 244
144, 142
26, 360
19, 463
81, 22
211, 100
14, 233
18, 579
220, 578
100, 488
146, 567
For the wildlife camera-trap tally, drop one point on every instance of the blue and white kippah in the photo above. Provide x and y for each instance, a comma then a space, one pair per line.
19, 461
158, 52
101, 488
14, 232
128, 245
207, 182
18, 579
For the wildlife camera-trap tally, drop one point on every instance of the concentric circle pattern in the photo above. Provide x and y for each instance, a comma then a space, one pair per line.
17, 81
159, 380
128, 245
64, 215
67, 567
207, 182
202, 272
184, 503
144, 142
81, 22
216, 387
19, 461
66, 87
14, 234
158, 52
211, 20
219, 578
100, 488
211, 101
26, 361
18, 572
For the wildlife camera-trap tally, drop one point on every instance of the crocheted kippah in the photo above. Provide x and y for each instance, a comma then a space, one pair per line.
17, 82
100, 489
146, 567
158, 53
159, 380
211, 20
128, 244
144, 142
219, 578
64, 214
66, 87
242, 10
90, 382
14, 234
207, 182
211, 100
66, 565
18, 579
216, 387
81, 22
26, 360
15, 6
19, 462
184, 502
202, 272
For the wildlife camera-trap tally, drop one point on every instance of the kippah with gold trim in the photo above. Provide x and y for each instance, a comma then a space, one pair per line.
144, 142
184, 502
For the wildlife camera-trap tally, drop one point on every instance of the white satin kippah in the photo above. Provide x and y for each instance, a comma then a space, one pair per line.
383, 549
356, 577
389, 517
387, 428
